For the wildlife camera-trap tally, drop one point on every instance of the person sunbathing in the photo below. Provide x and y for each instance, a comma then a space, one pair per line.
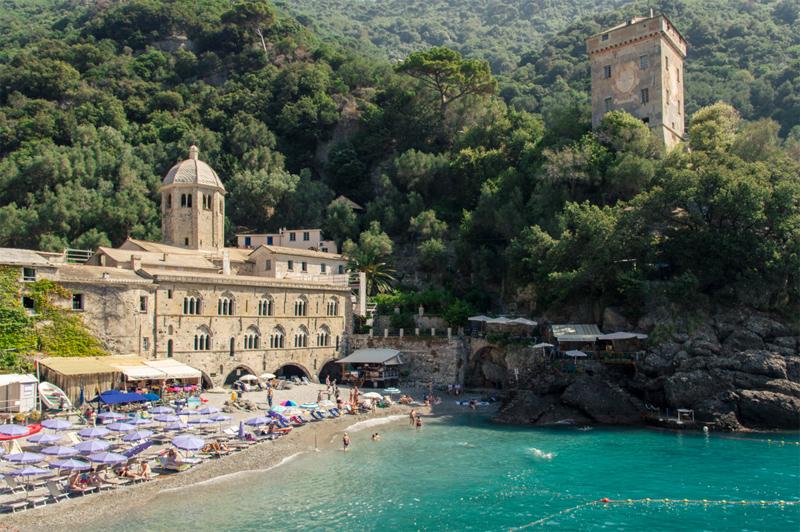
144, 470
174, 459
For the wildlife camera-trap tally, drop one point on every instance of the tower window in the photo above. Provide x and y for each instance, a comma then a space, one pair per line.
304, 266
667, 96
183, 200
142, 303
666, 62
643, 61
189, 200
604, 37
645, 95
679, 107
607, 71
267, 265
608, 104
186, 241
77, 302
145, 344
169, 201
678, 73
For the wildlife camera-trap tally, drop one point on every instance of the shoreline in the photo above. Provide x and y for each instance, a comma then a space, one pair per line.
78, 512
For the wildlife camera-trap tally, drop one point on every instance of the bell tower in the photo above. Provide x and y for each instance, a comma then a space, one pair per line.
193, 206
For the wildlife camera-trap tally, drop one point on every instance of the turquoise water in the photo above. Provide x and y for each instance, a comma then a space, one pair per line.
463, 473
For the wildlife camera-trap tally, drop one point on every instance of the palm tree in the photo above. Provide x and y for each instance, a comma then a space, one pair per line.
378, 274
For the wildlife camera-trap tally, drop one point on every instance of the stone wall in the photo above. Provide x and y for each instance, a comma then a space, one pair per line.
440, 361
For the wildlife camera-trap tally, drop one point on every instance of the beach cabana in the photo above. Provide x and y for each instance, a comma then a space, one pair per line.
576, 335
371, 365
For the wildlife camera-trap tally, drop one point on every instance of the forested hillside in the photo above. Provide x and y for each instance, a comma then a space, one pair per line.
498, 31
98, 102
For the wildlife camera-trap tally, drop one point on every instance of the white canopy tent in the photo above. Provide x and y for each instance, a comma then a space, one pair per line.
576, 332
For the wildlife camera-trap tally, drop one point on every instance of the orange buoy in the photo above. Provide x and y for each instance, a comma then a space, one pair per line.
604, 500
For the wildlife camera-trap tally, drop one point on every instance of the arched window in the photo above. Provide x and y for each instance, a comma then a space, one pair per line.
189, 200
192, 304
301, 337
333, 307
323, 336
202, 339
266, 306
169, 201
225, 305
252, 338
276, 338
301, 307
169, 349
183, 200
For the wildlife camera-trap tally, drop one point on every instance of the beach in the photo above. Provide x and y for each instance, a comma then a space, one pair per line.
324, 435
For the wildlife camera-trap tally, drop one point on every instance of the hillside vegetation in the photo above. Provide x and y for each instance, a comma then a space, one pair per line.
98, 102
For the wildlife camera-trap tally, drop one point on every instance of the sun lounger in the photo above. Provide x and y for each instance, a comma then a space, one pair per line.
305, 380
13, 485
334, 412
83, 490
165, 465
57, 493
37, 501
316, 416
15, 506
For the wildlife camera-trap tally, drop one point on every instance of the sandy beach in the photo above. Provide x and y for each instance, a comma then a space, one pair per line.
71, 514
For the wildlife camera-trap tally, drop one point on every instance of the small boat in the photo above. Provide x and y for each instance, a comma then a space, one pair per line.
53, 397
32, 429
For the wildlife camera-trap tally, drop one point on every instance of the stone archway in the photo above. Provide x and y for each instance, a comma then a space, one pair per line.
292, 370
206, 381
238, 372
488, 369
332, 370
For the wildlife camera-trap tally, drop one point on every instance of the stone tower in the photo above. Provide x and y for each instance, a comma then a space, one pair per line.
638, 67
193, 206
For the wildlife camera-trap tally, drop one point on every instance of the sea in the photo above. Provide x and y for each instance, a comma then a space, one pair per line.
466, 473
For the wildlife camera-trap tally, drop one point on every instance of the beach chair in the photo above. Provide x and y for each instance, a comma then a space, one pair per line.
334, 412
316, 416
297, 380
57, 493
15, 506
83, 490
305, 380
13, 485
172, 467
73, 437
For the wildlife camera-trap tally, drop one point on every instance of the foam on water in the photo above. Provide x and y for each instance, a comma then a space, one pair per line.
361, 425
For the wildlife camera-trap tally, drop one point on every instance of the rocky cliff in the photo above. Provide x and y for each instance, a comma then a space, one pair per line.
738, 370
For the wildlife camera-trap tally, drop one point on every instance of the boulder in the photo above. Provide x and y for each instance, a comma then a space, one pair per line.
788, 342
763, 363
666, 349
744, 340
720, 410
563, 415
683, 389
600, 401
778, 350
766, 327
614, 320
769, 410
524, 407
793, 368
655, 365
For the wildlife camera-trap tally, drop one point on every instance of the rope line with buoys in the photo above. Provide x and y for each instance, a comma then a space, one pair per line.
594, 502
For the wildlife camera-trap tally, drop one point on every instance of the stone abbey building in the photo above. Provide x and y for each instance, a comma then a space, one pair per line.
220, 310
638, 67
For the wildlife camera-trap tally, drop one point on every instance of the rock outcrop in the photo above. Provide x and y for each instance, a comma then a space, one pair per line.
739, 369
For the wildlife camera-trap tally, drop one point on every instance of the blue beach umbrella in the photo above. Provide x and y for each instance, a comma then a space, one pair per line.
60, 450
93, 432
189, 413
309, 406
201, 421
14, 431
107, 458
277, 408
44, 439
57, 424
162, 410
139, 421
24, 458
187, 442
92, 446
207, 411
71, 464
137, 435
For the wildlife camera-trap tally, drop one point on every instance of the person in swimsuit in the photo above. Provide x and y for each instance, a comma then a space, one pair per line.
346, 442
412, 417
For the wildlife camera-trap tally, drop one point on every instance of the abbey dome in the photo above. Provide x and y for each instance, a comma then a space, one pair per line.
192, 171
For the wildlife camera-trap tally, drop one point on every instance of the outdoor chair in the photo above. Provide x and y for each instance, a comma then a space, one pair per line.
84, 490
163, 460
317, 416
305, 380
14, 506
57, 493
13, 485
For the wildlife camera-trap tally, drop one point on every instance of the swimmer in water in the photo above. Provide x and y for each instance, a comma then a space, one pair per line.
376, 437
585, 427
543, 455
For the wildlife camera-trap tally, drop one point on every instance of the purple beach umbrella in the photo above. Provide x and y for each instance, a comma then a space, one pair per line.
241, 430
28, 472
178, 426
207, 411
71, 464
110, 415
44, 439
162, 410
24, 458
201, 421
136, 449
187, 442
121, 427
189, 413
93, 432
107, 458
92, 446
57, 424
60, 450
14, 430
258, 421
277, 415
139, 421
167, 418
137, 435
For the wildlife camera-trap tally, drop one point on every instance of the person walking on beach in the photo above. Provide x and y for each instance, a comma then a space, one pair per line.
328, 381
346, 442
419, 421
269, 396
319, 396
412, 416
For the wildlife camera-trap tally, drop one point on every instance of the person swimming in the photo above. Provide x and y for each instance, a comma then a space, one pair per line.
542, 455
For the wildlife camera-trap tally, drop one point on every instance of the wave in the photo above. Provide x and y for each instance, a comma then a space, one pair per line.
373, 423
541, 454
229, 476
